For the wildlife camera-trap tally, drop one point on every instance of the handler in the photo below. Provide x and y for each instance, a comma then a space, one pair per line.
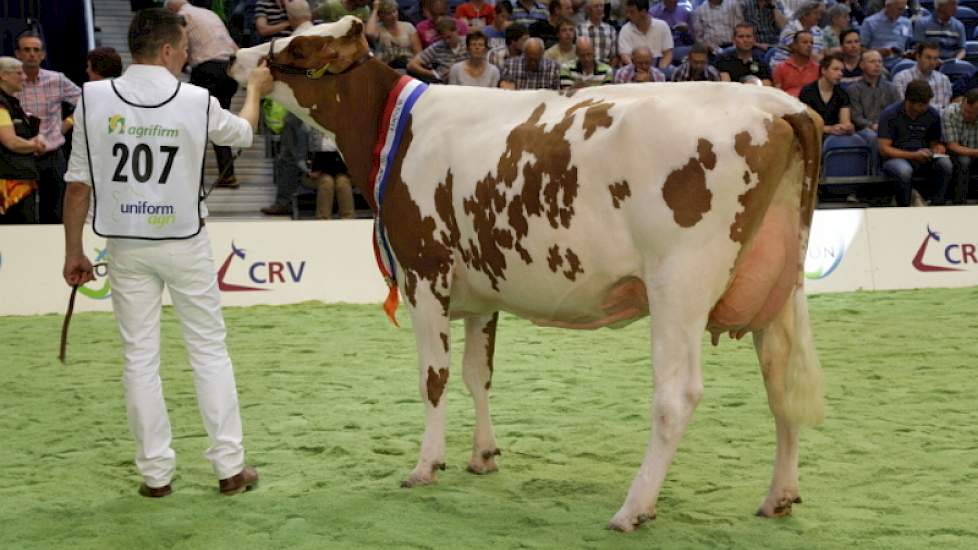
140, 141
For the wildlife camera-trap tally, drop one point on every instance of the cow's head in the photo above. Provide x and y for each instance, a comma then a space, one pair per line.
304, 66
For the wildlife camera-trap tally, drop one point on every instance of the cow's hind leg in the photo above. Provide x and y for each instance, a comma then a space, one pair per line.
679, 314
480, 338
793, 380
431, 331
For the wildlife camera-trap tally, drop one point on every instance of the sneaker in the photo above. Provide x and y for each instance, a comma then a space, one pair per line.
246, 480
277, 210
230, 182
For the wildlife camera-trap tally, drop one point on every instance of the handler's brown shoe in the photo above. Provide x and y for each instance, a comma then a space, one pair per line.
244, 481
155, 492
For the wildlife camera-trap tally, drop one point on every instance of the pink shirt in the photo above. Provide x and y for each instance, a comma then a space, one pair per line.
42, 98
207, 36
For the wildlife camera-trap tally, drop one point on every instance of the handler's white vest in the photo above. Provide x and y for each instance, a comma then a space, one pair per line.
146, 161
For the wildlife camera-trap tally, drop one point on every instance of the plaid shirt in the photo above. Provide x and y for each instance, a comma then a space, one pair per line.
939, 83
538, 12
626, 75
572, 76
715, 24
547, 75
765, 29
956, 130
603, 37
681, 74
440, 57
43, 98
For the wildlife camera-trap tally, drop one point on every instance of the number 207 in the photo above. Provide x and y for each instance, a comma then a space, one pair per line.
142, 162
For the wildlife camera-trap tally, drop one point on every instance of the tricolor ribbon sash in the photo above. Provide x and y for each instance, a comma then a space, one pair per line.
393, 121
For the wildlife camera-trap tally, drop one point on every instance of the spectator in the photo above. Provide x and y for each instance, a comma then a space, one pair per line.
434, 62
838, 16
530, 71
696, 67
103, 63
271, 20
714, 22
332, 11
529, 12
474, 71
798, 70
745, 60
961, 135
871, 94
434, 10
943, 28
42, 94
563, 51
546, 29
603, 37
210, 49
395, 42
910, 144
476, 14
926, 70
827, 98
516, 35
767, 17
852, 50
19, 142
496, 33
887, 31
640, 69
643, 30
806, 18
679, 18
329, 178
585, 70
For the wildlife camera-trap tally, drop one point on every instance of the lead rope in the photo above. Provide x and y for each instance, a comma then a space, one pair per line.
64, 326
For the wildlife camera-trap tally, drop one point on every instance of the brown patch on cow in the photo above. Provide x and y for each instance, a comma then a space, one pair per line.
573, 265
619, 192
685, 189
482, 207
490, 331
444, 341
568, 92
596, 115
554, 260
768, 161
435, 384
808, 130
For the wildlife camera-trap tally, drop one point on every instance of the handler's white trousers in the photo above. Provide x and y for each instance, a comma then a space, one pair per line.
137, 272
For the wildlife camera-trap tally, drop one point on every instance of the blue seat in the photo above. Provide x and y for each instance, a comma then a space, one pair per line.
971, 51
679, 54
901, 65
959, 73
845, 159
972, 4
969, 18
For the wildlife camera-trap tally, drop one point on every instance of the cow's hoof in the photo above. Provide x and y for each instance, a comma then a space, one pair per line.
423, 476
483, 462
626, 523
779, 509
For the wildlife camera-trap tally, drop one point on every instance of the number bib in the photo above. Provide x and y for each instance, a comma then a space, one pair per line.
146, 161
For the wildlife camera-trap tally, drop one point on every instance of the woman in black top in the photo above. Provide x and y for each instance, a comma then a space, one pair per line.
828, 99
19, 143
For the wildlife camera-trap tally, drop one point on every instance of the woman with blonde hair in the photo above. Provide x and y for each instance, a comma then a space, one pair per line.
19, 143
395, 42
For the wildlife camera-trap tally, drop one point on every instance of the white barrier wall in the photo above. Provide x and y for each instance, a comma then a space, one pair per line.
332, 261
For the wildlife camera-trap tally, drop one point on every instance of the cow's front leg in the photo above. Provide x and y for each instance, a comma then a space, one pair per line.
676, 328
431, 331
480, 342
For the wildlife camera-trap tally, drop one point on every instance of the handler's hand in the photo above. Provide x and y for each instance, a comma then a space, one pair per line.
78, 270
261, 80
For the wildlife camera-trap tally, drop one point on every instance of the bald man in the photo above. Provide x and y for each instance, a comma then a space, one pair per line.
530, 71
586, 71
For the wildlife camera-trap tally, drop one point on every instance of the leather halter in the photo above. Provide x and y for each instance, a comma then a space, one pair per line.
311, 74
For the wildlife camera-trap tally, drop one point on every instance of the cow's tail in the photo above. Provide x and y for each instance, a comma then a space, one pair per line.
803, 399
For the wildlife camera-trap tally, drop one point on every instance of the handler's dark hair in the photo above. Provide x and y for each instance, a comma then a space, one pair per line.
918, 91
151, 29
105, 62
640, 5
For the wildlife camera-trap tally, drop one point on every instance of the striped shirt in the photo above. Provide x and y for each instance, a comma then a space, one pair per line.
273, 14
547, 75
571, 75
537, 12
440, 57
42, 98
207, 37
939, 83
762, 19
683, 73
603, 37
956, 130
714, 25
626, 75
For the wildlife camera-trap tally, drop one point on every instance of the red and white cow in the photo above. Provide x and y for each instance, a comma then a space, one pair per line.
691, 202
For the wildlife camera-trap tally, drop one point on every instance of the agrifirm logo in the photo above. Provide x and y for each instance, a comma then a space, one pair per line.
156, 214
117, 125
261, 274
101, 273
945, 255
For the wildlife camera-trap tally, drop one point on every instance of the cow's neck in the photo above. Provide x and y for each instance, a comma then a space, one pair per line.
355, 120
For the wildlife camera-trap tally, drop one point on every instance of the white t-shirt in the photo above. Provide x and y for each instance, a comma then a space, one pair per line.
658, 38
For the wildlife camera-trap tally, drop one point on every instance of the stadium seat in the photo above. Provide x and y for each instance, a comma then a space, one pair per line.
845, 158
971, 51
901, 65
969, 18
960, 73
679, 54
973, 4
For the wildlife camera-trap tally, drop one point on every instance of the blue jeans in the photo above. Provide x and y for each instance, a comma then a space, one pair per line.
963, 166
938, 172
